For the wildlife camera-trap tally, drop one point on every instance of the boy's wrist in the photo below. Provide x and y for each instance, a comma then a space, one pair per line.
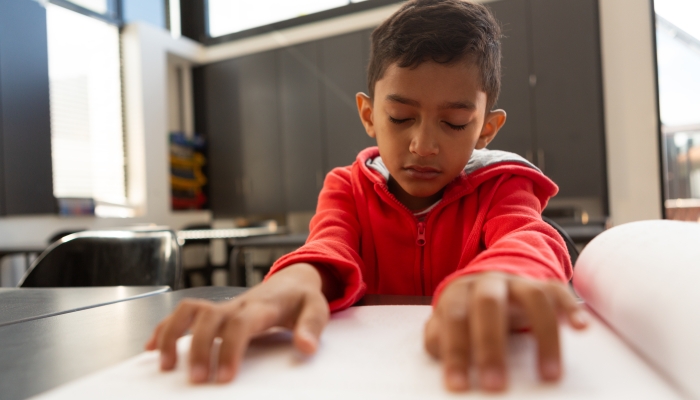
317, 276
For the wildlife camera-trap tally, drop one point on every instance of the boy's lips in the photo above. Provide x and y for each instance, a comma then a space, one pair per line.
421, 172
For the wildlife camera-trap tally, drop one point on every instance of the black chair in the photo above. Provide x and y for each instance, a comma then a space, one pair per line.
140, 257
570, 245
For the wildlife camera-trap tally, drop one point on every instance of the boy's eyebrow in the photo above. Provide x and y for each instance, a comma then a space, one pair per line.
465, 105
462, 105
403, 100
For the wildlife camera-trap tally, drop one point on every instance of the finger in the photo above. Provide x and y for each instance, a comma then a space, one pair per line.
488, 331
432, 337
206, 326
236, 333
152, 342
454, 344
176, 325
567, 304
312, 319
540, 311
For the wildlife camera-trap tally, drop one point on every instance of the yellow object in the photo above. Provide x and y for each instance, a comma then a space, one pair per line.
196, 161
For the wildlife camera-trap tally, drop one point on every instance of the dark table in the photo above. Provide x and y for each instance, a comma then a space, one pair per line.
39, 355
25, 304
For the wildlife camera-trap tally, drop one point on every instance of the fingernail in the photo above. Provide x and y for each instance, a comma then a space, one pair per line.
492, 379
165, 361
581, 317
198, 373
457, 380
224, 374
309, 341
308, 336
551, 370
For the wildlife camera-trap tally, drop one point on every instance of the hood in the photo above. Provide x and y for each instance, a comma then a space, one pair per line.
483, 165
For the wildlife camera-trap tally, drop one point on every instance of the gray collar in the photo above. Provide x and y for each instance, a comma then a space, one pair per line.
479, 159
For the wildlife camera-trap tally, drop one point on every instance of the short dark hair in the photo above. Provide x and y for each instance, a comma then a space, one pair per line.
444, 31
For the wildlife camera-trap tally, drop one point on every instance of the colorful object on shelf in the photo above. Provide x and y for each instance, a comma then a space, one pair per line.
187, 179
75, 206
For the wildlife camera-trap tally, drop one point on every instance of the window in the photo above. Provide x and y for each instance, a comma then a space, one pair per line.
678, 60
230, 16
87, 136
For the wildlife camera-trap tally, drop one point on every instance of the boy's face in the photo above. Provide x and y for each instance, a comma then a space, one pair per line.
427, 121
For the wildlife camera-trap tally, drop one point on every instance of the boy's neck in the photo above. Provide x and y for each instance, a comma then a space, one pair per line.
413, 203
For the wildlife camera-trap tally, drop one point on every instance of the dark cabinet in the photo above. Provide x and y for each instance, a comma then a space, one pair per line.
301, 125
261, 151
26, 181
218, 116
278, 121
344, 65
568, 99
552, 93
517, 134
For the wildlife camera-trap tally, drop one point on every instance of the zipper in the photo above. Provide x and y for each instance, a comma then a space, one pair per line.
420, 241
420, 238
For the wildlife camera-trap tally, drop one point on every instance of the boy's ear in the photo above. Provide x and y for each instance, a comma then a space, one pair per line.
492, 124
364, 107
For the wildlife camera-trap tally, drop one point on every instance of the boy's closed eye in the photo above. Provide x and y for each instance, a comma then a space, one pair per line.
456, 127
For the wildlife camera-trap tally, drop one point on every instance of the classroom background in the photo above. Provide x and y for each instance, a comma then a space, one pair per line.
217, 120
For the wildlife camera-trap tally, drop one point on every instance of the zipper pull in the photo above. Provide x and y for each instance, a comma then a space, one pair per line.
420, 241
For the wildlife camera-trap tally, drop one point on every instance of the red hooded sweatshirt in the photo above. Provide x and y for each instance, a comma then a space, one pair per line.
489, 219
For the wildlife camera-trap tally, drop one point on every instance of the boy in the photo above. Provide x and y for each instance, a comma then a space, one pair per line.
427, 212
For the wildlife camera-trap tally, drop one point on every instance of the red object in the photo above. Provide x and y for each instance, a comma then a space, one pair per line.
488, 220
194, 203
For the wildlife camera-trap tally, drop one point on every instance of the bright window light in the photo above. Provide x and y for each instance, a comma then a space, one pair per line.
98, 6
86, 107
678, 55
685, 14
229, 16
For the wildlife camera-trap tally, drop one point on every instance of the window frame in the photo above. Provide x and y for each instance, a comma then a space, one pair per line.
113, 15
207, 40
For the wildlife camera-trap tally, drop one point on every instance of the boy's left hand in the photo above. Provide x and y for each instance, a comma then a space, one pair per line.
472, 318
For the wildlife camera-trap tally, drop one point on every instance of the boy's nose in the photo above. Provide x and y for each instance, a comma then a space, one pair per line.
423, 143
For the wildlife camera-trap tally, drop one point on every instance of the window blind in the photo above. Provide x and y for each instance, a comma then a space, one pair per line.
86, 107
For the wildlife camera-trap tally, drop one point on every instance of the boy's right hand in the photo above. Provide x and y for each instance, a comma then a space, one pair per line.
291, 298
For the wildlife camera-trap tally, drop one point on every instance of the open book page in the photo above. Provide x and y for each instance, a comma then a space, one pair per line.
643, 279
376, 352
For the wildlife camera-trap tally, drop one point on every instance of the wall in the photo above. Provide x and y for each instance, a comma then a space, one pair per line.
631, 116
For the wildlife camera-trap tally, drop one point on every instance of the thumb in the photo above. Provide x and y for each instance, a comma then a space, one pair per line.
312, 319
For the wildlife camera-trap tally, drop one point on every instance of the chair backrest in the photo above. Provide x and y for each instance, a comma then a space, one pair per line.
570, 245
108, 258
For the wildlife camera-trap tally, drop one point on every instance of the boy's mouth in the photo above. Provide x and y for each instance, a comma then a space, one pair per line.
421, 172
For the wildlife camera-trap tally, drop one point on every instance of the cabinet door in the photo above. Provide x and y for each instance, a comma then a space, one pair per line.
300, 102
26, 180
516, 135
260, 138
343, 64
568, 95
218, 116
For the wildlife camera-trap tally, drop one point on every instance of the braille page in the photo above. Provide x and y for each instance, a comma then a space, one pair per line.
376, 352
643, 278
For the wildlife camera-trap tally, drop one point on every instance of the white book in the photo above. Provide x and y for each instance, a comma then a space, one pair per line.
640, 280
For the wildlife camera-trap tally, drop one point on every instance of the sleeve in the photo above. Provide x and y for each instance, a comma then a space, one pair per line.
334, 239
515, 238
